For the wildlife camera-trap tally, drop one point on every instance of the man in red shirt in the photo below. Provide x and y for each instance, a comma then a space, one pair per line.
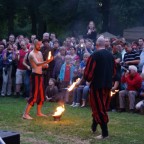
21, 69
133, 82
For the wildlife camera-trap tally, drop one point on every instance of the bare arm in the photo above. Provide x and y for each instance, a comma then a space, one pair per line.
32, 58
116, 84
24, 62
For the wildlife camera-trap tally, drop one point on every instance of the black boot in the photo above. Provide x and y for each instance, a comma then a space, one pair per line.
94, 125
104, 128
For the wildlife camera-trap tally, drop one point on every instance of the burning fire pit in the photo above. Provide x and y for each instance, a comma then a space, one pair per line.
57, 118
57, 115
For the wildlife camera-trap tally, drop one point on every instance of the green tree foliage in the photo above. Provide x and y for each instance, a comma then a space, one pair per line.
68, 16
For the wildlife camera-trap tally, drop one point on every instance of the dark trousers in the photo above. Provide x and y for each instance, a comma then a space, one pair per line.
100, 101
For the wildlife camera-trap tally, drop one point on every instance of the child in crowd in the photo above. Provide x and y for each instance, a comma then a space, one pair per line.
65, 77
85, 58
51, 91
66, 72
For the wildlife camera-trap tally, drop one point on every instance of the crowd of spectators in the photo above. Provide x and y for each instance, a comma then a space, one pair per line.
70, 59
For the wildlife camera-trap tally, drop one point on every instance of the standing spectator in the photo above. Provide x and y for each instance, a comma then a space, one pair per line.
59, 61
26, 63
1, 64
12, 39
47, 73
73, 41
21, 69
27, 42
81, 48
52, 39
56, 47
46, 36
141, 44
8, 57
4, 42
18, 41
89, 46
91, 31
118, 58
141, 63
33, 37
73, 54
108, 44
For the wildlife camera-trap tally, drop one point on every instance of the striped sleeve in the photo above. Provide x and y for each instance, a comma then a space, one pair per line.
89, 70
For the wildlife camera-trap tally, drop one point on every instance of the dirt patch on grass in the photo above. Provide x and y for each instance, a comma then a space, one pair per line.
33, 141
52, 139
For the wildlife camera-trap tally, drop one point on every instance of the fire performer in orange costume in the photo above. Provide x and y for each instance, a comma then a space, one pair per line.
99, 71
37, 63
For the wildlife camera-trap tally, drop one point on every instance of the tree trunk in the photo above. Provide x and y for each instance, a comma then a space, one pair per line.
41, 26
10, 24
34, 23
10, 6
105, 14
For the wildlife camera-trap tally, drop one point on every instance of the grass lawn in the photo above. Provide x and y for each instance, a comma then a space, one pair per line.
74, 127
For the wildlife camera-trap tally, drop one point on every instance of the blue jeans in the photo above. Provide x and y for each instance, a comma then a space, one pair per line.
27, 83
80, 92
85, 92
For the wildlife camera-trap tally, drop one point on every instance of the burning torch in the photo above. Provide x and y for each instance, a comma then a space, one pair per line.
73, 85
49, 55
112, 93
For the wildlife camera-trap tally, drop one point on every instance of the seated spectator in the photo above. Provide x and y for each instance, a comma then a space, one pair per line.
133, 81
85, 94
80, 93
51, 91
140, 104
131, 57
69, 94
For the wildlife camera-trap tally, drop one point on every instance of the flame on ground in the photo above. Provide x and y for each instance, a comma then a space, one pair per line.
59, 111
73, 85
